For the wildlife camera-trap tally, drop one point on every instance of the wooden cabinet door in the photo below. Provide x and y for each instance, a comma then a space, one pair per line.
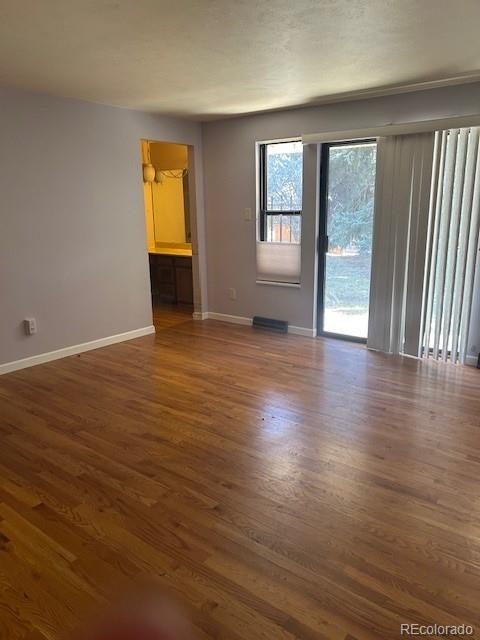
162, 277
183, 277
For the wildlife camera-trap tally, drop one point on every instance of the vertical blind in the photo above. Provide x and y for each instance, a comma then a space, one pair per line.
402, 196
425, 243
452, 244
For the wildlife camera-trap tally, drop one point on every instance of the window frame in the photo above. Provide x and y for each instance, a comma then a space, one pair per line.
263, 210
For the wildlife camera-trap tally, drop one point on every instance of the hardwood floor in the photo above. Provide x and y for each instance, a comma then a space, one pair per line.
279, 487
169, 315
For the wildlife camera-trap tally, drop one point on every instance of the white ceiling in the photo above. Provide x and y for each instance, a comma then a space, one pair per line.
209, 58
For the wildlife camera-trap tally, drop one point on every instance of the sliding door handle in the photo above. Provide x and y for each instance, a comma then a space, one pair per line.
322, 244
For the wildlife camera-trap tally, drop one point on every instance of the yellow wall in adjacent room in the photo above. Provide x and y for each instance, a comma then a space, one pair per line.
164, 201
169, 212
166, 155
147, 198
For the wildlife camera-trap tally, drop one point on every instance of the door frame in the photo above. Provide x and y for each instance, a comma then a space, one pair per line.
197, 216
322, 246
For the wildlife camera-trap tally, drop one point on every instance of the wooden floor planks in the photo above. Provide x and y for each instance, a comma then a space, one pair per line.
277, 486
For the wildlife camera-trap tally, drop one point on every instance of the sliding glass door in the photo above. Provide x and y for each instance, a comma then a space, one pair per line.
347, 188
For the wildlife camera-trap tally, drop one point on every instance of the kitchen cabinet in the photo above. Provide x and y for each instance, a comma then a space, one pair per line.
171, 278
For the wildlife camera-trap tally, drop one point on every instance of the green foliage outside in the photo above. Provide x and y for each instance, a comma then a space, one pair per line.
350, 217
347, 283
350, 193
351, 189
284, 181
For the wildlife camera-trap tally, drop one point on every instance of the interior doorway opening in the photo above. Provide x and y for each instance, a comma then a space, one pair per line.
347, 190
168, 189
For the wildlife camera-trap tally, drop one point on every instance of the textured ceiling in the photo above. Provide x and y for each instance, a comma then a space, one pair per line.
208, 58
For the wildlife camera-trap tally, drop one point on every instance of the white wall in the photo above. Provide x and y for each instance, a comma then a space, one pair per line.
229, 169
72, 225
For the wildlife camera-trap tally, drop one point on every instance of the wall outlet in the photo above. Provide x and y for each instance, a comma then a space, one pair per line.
247, 213
30, 325
232, 293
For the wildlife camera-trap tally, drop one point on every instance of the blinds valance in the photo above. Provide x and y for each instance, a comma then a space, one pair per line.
392, 129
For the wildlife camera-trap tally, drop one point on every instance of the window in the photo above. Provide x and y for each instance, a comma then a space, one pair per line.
281, 167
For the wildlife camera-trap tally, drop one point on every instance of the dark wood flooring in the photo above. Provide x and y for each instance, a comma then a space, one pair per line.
279, 487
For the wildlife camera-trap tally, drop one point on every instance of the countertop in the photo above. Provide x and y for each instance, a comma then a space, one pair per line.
171, 251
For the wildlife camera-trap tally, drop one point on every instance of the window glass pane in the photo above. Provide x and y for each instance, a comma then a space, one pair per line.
351, 189
284, 176
295, 226
283, 228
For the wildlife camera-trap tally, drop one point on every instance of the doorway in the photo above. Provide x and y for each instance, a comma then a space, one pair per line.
347, 188
167, 182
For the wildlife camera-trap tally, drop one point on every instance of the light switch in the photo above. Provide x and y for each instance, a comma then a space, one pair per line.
247, 213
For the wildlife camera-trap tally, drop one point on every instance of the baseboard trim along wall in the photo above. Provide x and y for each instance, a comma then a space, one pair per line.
199, 315
41, 358
471, 361
299, 331
225, 317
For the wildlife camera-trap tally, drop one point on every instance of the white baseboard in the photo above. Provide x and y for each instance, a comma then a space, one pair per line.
199, 315
302, 331
41, 358
225, 317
